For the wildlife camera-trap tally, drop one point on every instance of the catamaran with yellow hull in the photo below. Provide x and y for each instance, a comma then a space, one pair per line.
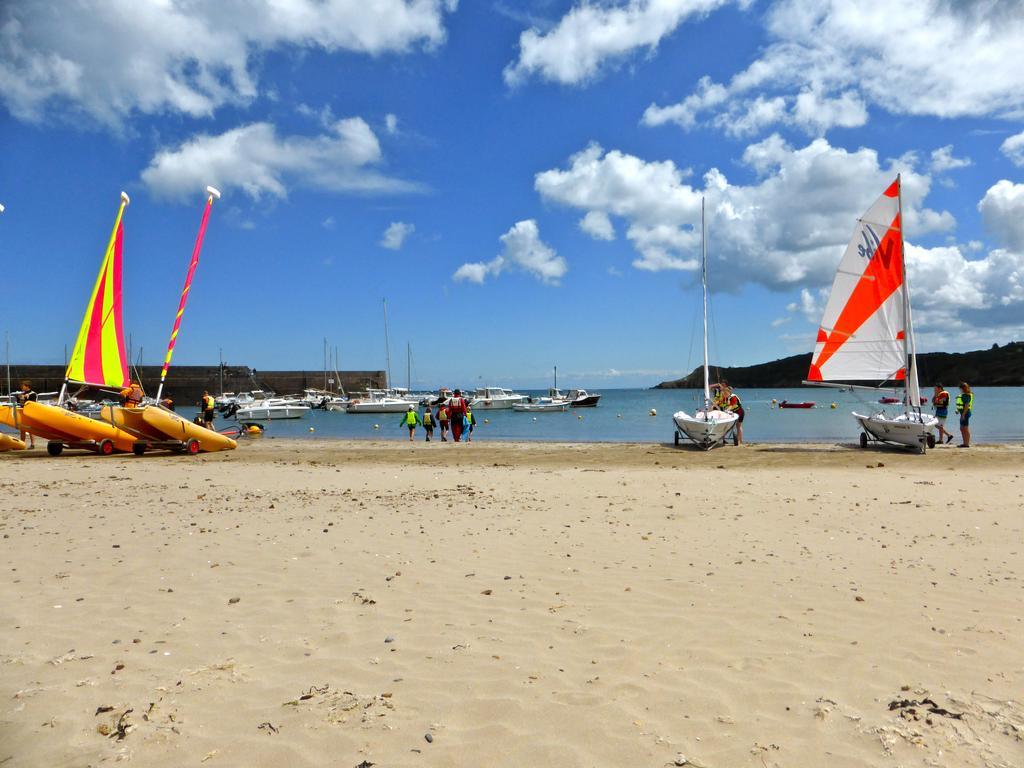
98, 360
153, 425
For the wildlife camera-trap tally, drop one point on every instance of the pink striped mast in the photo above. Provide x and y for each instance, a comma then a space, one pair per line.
211, 193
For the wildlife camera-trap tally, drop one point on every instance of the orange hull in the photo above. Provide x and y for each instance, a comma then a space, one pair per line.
11, 443
80, 428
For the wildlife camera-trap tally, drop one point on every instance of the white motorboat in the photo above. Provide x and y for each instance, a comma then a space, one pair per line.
541, 405
707, 426
867, 330
272, 408
494, 399
378, 401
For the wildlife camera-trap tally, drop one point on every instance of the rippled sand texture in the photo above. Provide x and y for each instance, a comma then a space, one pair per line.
308, 604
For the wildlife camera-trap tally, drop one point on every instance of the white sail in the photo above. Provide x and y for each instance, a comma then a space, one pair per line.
861, 336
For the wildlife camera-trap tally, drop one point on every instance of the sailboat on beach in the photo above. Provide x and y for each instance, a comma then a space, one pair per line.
867, 331
707, 427
99, 361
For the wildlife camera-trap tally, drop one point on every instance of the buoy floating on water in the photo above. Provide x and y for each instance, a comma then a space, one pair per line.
311, 429
376, 426
487, 421
834, 406
653, 412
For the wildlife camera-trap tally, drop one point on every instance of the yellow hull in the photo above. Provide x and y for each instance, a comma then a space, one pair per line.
75, 426
9, 443
176, 428
130, 420
17, 419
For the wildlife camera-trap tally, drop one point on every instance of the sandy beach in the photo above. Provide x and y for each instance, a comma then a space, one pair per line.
309, 603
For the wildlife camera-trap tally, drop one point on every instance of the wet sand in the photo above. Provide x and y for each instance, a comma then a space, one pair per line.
310, 603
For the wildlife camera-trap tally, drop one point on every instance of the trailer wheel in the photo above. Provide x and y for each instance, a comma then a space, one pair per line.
139, 448
54, 448
677, 437
106, 447
863, 439
192, 446
931, 441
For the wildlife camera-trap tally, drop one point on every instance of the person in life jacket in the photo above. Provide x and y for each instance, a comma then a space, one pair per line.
965, 406
427, 420
411, 419
25, 395
719, 395
207, 405
940, 400
131, 396
470, 423
457, 414
735, 405
442, 419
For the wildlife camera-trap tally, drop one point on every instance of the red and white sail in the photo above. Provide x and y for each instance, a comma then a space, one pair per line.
862, 333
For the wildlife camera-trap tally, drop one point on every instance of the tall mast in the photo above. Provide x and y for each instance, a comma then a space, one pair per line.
7, 339
556, 377
408, 367
909, 358
387, 343
220, 358
704, 284
325, 363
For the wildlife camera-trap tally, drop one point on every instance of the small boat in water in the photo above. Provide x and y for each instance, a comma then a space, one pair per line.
379, 401
895, 400
541, 405
494, 399
270, 409
787, 404
580, 398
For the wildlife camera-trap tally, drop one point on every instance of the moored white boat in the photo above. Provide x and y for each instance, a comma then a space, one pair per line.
542, 405
494, 399
580, 398
867, 330
378, 401
707, 427
272, 408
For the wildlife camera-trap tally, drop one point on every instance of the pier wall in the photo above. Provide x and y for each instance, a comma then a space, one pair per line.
185, 383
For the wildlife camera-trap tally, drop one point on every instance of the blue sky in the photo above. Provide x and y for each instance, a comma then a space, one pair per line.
520, 180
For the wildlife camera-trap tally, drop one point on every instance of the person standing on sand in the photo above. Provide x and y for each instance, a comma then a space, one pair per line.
457, 414
965, 406
411, 419
442, 419
941, 402
25, 395
427, 420
735, 405
470, 423
207, 404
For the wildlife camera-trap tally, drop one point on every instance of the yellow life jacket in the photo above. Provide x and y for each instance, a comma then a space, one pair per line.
410, 418
964, 404
428, 418
208, 403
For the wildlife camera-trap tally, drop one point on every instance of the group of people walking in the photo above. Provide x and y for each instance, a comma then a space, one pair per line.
454, 415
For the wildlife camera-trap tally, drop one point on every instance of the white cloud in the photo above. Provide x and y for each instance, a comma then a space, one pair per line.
590, 35
598, 225
830, 59
391, 123
109, 58
785, 229
395, 235
943, 160
524, 250
1002, 210
328, 223
1013, 148
255, 160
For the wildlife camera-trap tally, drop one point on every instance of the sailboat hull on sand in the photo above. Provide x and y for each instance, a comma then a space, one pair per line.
705, 428
913, 430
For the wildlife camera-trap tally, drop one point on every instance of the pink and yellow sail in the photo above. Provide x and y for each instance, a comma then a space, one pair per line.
99, 357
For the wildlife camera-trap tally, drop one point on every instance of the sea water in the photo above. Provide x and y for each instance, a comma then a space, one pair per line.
623, 415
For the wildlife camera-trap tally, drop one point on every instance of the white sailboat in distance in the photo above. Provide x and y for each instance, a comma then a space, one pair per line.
867, 331
707, 427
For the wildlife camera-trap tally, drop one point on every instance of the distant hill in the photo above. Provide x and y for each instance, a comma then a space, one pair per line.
996, 367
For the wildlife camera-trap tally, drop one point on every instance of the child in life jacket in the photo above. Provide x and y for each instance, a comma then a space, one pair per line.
411, 419
428, 423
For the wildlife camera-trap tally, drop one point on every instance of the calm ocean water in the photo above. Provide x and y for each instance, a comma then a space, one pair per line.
622, 416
